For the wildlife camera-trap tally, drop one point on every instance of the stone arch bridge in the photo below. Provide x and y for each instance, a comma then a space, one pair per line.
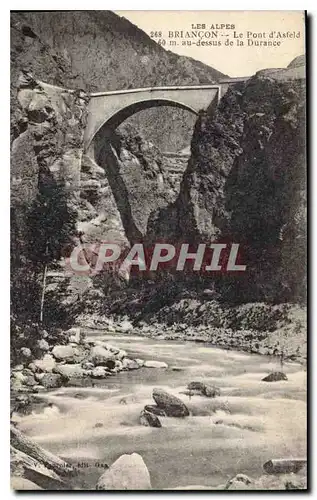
107, 110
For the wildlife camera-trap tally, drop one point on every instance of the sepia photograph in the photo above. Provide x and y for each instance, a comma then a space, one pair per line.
158, 250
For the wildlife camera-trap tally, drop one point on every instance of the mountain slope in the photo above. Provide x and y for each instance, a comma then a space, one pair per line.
107, 52
103, 51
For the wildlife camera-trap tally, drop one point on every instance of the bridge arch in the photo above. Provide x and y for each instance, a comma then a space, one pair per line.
112, 122
107, 110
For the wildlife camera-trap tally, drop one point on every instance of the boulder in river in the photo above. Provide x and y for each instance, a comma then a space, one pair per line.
47, 364
121, 354
43, 345
30, 381
38, 388
19, 376
275, 377
70, 370
100, 356
125, 326
99, 372
51, 380
129, 472
75, 335
155, 364
38, 376
207, 390
63, 352
196, 386
155, 409
87, 365
149, 419
239, 482
173, 406
25, 353
118, 366
130, 364
211, 391
22, 484
284, 465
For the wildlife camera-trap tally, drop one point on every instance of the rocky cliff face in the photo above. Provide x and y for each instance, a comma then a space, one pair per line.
245, 182
48, 48
107, 52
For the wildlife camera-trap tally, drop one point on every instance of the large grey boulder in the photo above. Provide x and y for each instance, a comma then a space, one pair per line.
19, 376
129, 472
63, 352
70, 370
99, 372
121, 354
87, 365
239, 482
155, 409
23, 484
30, 381
130, 364
75, 335
173, 406
149, 419
100, 356
275, 377
204, 389
25, 353
51, 380
125, 326
43, 345
47, 364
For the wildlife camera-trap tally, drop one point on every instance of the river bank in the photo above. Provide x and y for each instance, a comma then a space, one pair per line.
249, 422
253, 328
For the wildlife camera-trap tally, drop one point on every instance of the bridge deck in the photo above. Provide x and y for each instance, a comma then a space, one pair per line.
154, 89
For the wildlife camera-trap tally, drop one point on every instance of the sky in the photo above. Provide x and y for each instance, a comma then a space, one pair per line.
235, 59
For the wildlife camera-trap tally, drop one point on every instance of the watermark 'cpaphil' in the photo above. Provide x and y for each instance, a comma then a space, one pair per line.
204, 258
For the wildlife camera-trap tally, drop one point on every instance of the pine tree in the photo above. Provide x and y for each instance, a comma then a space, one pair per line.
51, 224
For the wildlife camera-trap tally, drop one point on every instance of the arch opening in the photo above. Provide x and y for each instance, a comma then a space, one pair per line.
113, 122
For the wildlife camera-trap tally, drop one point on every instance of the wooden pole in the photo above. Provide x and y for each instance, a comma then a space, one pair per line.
43, 287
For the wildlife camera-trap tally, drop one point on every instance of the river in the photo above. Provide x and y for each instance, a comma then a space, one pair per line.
250, 422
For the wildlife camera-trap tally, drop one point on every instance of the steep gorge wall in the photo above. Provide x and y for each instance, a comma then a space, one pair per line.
47, 124
137, 177
245, 183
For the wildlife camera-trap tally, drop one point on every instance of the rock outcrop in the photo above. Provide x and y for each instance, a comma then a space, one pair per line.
32, 465
149, 419
128, 472
275, 377
171, 405
245, 183
203, 389
65, 363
